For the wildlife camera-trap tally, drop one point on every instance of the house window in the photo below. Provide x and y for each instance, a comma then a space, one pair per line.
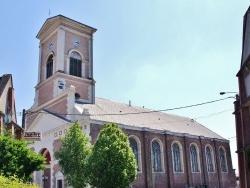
157, 158
209, 158
59, 184
75, 64
194, 159
223, 162
49, 66
8, 113
176, 153
134, 146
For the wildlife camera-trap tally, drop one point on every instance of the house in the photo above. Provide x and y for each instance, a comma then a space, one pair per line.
171, 151
242, 106
8, 120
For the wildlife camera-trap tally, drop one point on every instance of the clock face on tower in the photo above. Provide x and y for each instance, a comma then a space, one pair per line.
76, 42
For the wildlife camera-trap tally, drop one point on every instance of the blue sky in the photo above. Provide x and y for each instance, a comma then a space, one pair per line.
159, 54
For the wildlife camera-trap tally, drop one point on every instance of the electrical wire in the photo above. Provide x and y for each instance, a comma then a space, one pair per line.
169, 109
188, 106
188, 120
208, 116
145, 112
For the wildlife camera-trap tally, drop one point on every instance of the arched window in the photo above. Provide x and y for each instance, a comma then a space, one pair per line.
209, 159
59, 180
176, 153
75, 64
156, 154
134, 146
194, 159
45, 153
77, 96
49, 66
223, 161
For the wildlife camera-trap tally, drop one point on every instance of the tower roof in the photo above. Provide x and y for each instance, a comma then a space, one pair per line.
54, 22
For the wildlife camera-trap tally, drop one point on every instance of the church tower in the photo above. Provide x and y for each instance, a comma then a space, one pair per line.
65, 60
65, 68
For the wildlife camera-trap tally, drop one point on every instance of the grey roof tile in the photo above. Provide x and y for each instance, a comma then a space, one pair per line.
110, 111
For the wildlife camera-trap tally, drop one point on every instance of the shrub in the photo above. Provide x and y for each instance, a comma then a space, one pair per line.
14, 182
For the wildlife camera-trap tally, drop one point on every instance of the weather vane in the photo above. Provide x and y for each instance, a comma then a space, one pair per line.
49, 13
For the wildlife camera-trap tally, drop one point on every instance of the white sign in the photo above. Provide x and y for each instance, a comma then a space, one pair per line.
36, 136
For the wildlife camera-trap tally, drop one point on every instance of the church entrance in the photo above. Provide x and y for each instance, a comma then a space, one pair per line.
46, 177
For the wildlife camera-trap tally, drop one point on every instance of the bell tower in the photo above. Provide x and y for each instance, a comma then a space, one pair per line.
65, 60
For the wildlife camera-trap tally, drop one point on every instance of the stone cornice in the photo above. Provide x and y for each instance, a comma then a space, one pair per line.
62, 74
57, 21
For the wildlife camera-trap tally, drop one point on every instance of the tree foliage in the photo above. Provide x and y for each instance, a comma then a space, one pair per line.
112, 163
16, 159
13, 182
73, 155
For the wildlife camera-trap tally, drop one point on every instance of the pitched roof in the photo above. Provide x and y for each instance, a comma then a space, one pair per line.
57, 115
3, 82
109, 111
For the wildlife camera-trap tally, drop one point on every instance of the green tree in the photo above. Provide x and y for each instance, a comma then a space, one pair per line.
16, 159
112, 163
13, 182
73, 155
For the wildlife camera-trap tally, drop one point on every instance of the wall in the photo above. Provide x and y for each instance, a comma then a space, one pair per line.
169, 178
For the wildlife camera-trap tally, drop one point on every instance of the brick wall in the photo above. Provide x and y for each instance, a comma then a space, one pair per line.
168, 178
242, 120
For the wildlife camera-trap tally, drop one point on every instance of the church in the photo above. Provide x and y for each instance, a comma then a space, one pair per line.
171, 151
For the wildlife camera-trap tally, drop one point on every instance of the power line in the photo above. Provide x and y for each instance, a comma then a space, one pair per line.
169, 109
145, 112
217, 113
192, 119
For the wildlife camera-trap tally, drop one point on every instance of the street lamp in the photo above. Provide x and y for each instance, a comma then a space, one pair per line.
236, 95
44, 178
